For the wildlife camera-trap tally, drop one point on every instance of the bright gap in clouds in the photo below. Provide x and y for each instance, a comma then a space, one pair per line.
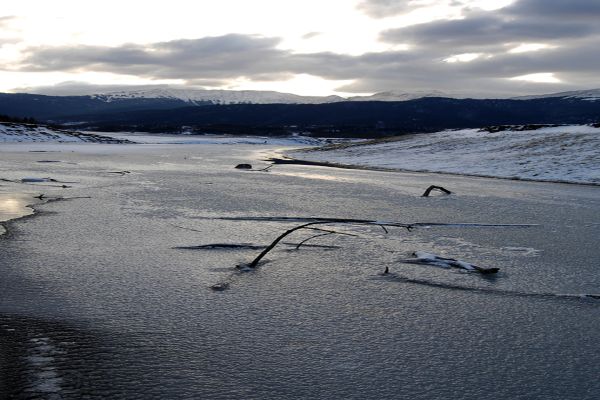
489, 5
301, 84
528, 47
466, 57
542, 77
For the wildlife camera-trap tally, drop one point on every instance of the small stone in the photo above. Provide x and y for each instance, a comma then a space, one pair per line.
243, 166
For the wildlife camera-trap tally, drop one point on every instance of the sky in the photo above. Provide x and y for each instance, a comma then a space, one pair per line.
480, 48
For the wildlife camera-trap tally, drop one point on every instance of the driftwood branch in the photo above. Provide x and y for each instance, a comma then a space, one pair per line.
313, 222
330, 231
312, 237
433, 187
270, 247
310, 225
384, 228
327, 232
266, 169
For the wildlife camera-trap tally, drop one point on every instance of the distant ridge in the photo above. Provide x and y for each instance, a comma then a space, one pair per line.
210, 96
401, 96
253, 112
591, 95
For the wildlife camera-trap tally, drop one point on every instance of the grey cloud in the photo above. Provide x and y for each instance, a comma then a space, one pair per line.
73, 88
213, 57
481, 29
557, 8
384, 8
569, 26
4, 41
310, 35
215, 61
572, 58
5, 19
388, 8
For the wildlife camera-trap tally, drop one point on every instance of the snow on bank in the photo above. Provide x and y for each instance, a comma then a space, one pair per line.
18, 132
562, 153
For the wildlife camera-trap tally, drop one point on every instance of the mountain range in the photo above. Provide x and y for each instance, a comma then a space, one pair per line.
223, 111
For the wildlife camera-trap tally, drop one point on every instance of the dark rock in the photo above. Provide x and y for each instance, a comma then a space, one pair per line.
243, 166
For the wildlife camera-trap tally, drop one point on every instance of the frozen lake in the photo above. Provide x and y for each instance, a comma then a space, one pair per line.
100, 303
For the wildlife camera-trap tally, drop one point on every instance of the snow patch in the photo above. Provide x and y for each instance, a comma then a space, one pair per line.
28, 133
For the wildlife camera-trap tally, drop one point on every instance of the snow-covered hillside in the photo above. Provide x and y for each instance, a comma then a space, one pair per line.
198, 96
195, 96
18, 132
561, 153
591, 95
400, 96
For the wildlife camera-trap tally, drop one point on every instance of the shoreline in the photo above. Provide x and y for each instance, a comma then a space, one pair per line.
28, 210
12, 350
298, 161
12, 337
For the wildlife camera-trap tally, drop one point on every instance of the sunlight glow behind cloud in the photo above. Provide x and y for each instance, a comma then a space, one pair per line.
528, 47
465, 57
541, 77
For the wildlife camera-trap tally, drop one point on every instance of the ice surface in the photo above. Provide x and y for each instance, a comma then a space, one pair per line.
311, 323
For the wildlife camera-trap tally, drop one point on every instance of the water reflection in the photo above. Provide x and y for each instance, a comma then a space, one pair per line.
14, 205
309, 175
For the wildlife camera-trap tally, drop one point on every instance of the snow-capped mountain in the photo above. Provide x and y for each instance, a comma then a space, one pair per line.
400, 96
203, 97
591, 95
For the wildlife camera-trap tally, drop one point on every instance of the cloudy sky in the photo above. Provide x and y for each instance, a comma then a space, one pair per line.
310, 47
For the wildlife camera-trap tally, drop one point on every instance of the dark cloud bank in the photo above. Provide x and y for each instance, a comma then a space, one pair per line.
570, 27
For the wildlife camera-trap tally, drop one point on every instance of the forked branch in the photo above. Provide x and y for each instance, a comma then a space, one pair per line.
433, 187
